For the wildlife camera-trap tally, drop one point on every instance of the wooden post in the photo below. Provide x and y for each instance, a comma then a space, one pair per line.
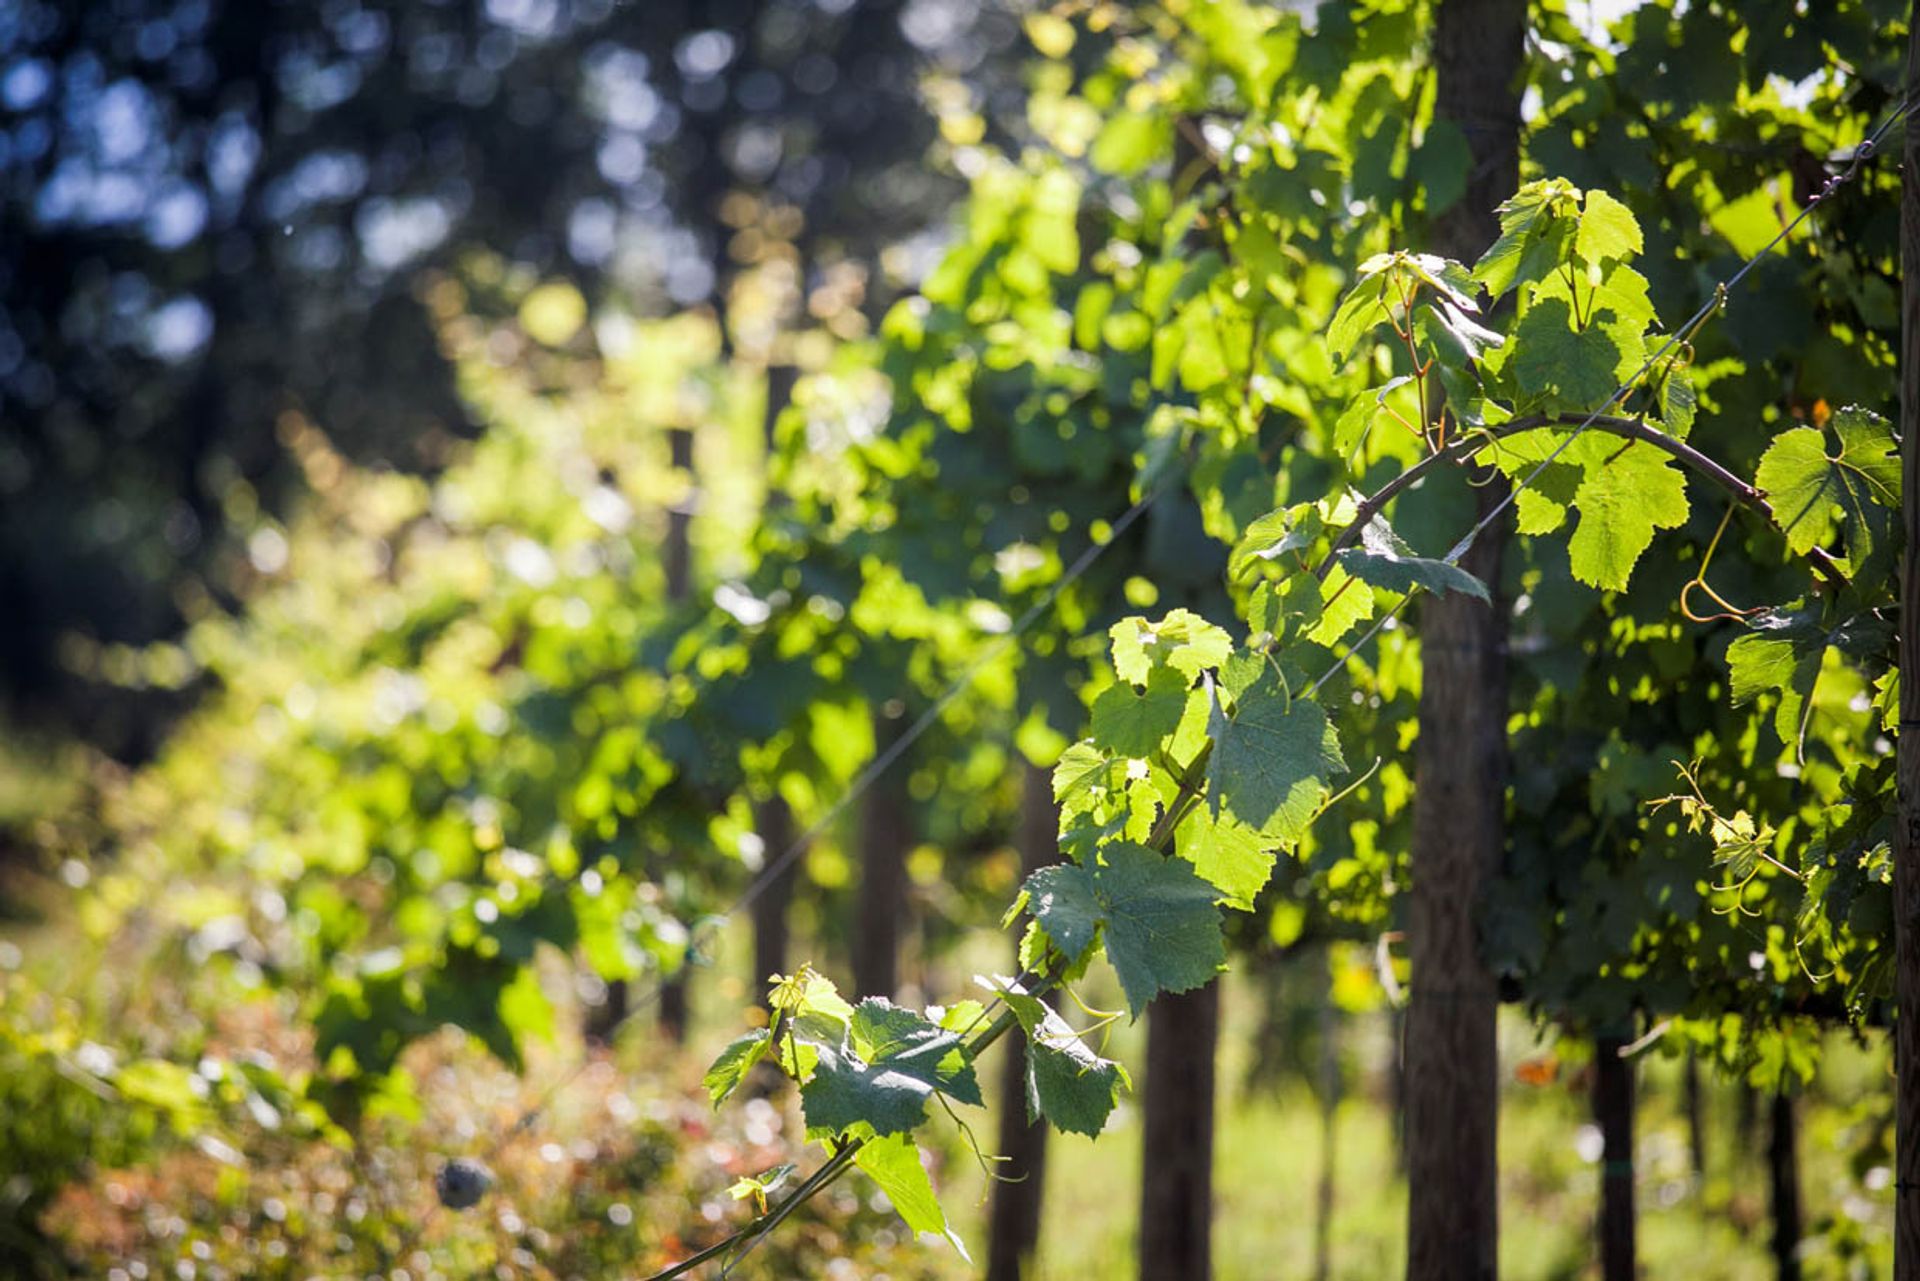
1329, 1100
886, 830
677, 563
1783, 1185
1906, 839
772, 818
1176, 1185
1014, 1231
1613, 1113
773, 822
1695, 1104
1460, 770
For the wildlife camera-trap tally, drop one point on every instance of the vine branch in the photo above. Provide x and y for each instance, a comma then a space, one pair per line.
1630, 429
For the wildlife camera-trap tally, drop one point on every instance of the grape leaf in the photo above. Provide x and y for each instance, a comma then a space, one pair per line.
1525, 215
893, 1162
1271, 759
885, 1072
1560, 368
1227, 854
1067, 1083
844, 1091
733, 1064
1273, 535
887, 1035
1860, 479
1134, 722
1081, 777
1608, 230
819, 1013
1783, 653
1358, 313
1383, 560
1158, 919
1341, 606
1621, 502
1181, 640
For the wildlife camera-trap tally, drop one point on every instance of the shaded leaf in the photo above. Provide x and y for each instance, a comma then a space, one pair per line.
1271, 760
1156, 916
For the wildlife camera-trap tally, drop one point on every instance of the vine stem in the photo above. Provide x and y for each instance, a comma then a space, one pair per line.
817, 1182
1631, 429
749, 1236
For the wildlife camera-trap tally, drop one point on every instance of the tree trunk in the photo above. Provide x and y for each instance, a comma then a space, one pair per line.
1329, 1098
677, 562
1613, 1113
1176, 1185
1460, 762
886, 830
772, 818
773, 821
1783, 1180
1176, 1180
1014, 1231
780, 384
1906, 839
1746, 1117
1696, 1121
1397, 1084
676, 557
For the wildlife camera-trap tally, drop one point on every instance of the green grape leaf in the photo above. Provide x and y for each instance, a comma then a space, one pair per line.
1467, 339
1857, 477
1558, 367
1358, 313
819, 1013
1608, 230
1226, 854
893, 1038
1158, 919
893, 1163
1341, 606
1067, 1083
733, 1064
964, 1016
1289, 529
1082, 777
1524, 218
1383, 560
1679, 402
844, 1092
1622, 501
1271, 760
1444, 276
884, 1073
1182, 640
887, 1035
1135, 722
1782, 652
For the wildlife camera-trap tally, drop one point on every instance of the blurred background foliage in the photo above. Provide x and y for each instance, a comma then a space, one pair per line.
216, 213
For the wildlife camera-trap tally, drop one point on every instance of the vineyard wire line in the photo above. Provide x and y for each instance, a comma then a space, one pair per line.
1867, 148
